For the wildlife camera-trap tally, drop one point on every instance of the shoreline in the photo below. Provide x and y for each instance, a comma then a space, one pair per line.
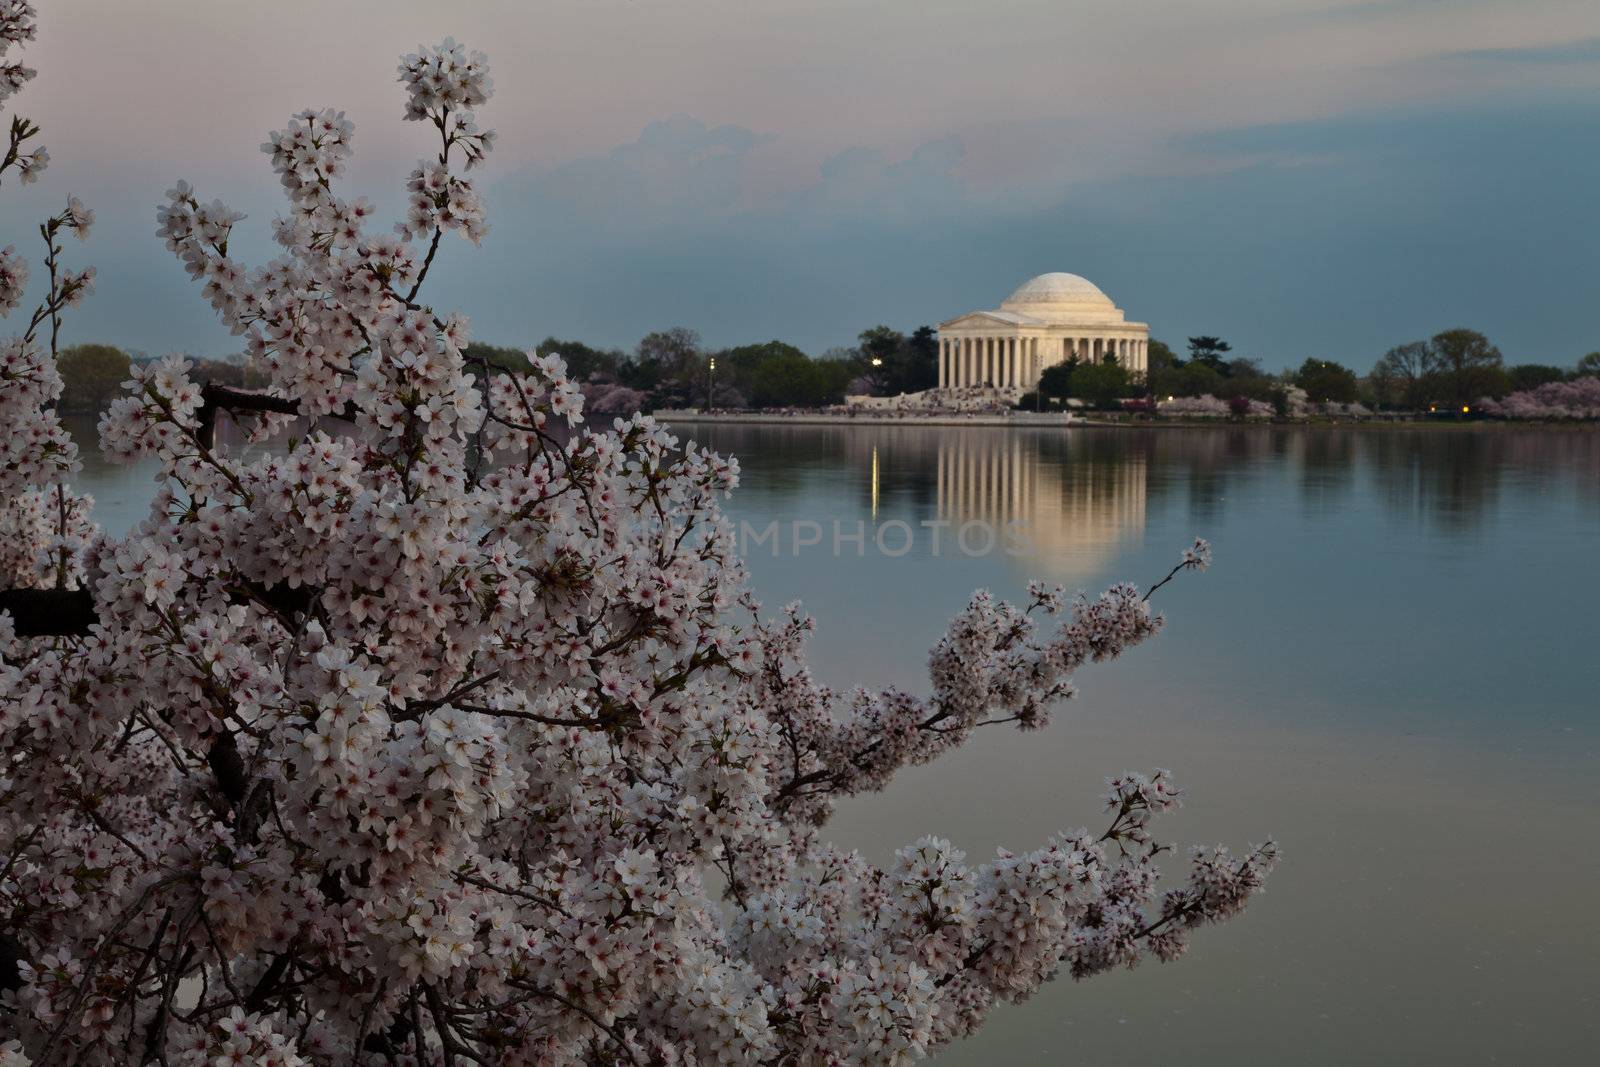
1025, 420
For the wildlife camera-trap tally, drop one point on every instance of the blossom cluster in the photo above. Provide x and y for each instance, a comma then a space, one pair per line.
44, 525
17, 26
1337, 409
454, 733
1210, 407
443, 85
1575, 399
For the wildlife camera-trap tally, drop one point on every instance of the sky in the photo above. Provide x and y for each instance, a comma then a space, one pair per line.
1304, 178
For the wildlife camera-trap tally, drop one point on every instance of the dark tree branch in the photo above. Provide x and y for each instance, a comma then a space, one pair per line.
215, 398
70, 612
49, 612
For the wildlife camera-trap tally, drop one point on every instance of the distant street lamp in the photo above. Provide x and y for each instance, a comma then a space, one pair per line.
877, 383
711, 385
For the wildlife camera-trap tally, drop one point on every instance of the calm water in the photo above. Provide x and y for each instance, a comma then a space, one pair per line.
1392, 667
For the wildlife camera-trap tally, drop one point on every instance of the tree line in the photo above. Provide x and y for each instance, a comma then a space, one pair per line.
672, 368
1454, 369
667, 369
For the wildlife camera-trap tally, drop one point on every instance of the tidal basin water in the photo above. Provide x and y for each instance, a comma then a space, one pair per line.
1393, 667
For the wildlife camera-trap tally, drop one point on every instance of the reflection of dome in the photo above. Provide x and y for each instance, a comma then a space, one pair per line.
1057, 290
1075, 514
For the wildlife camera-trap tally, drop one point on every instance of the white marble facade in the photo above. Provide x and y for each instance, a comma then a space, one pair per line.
1049, 320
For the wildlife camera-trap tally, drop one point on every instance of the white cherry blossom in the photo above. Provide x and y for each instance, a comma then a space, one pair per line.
454, 733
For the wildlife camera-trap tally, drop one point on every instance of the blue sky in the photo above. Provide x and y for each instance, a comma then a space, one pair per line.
1303, 177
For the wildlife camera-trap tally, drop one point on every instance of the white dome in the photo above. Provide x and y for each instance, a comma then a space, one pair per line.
1058, 289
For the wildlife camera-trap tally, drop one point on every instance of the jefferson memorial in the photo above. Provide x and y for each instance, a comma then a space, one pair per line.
1049, 320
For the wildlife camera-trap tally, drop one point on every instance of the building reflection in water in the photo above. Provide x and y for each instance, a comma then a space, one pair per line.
1074, 507
1085, 494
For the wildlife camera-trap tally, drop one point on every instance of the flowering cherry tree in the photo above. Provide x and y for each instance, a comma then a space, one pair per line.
1575, 399
454, 735
43, 524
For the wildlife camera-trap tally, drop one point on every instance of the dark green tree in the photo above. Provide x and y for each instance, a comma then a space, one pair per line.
1190, 379
921, 360
91, 376
1589, 364
1468, 366
879, 348
1162, 357
668, 363
1210, 351
793, 380
1326, 382
1101, 384
583, 361
1525, 376
1404, 376
1245, 378
1056, 381
903, 364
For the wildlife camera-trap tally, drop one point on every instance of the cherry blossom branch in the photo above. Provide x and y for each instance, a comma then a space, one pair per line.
1195, 557
49, 612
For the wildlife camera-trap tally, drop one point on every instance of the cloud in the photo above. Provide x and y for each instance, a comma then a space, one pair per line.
861, 180
677, 169
1335, 237
1306, 176
682, 172
1376, 10
1564, 52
